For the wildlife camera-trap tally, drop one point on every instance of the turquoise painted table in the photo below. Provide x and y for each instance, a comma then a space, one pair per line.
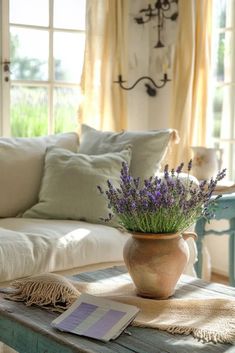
28, 329
225, 210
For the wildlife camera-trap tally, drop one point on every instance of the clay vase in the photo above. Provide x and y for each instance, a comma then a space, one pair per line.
156, 261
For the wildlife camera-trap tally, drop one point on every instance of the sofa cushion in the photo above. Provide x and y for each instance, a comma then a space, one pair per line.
21, 169
33, 246
69, 185
148, 147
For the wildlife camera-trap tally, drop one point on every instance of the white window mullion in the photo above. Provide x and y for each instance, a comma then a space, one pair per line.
1, 76
51, 71
5, 111
232, 150
227, 86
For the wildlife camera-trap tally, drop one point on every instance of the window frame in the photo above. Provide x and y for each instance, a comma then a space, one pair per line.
230, 84
49, 84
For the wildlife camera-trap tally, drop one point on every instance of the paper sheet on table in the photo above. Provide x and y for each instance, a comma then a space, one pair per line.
96, 317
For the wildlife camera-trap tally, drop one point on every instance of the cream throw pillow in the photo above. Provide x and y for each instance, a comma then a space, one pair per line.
69, 185
21, 169
148, 147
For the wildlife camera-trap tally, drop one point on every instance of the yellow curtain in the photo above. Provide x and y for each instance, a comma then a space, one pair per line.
191, 77
104, 102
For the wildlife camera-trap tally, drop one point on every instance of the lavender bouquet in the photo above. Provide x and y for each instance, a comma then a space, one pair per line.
166, 204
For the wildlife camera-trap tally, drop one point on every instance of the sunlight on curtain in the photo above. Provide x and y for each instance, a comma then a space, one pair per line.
104, 103
191, 77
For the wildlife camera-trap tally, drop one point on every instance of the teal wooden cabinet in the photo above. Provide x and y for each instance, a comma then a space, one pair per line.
225, 210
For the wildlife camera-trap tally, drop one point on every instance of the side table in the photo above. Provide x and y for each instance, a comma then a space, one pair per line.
225, 210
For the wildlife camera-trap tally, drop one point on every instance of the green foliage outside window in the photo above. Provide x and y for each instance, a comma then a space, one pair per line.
29, 105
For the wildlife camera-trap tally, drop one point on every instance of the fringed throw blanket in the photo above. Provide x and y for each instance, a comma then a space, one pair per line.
50, 291
208, 319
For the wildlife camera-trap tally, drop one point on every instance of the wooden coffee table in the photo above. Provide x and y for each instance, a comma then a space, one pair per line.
28, 330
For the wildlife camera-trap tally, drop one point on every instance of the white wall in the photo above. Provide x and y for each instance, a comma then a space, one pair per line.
218, 247
138, 105
146, 112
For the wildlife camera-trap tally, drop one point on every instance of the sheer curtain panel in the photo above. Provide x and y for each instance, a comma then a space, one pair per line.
104, 103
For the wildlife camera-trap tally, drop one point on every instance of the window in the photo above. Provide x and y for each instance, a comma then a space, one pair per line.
222, 122
47, 39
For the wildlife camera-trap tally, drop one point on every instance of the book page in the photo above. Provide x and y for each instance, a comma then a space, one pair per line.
96, 317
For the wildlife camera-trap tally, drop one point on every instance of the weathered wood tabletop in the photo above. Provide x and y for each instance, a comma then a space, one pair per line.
28, 330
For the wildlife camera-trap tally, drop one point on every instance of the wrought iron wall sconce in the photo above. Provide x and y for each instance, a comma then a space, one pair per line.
161, 11
151, 91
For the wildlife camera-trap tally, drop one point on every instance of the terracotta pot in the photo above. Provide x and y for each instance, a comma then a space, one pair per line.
156, 261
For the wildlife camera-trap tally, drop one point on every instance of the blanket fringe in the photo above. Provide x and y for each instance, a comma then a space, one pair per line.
45, 290
201, 334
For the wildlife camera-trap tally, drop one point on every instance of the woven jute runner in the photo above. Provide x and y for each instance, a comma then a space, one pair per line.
207, 319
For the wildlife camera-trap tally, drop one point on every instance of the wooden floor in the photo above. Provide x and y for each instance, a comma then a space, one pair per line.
215, 277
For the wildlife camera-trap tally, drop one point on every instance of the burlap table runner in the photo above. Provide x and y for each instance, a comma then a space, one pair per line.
207, 319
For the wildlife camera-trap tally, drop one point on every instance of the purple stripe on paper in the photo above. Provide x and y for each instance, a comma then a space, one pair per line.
103, 325
77, 316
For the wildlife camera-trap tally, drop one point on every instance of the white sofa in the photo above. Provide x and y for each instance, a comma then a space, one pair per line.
45, 244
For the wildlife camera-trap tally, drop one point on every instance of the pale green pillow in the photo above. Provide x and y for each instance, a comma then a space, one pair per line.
21, 169
69, 185
148, 147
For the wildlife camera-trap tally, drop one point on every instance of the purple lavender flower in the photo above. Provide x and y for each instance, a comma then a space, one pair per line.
100, 189
179, 168
160, 205
190, 165
166, 171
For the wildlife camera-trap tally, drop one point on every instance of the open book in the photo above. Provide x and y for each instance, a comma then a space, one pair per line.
96, 317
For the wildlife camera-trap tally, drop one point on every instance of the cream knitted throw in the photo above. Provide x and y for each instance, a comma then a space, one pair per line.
207, 319
50, 291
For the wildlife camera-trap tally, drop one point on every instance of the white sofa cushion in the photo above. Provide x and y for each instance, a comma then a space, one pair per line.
33, 246
21, 161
